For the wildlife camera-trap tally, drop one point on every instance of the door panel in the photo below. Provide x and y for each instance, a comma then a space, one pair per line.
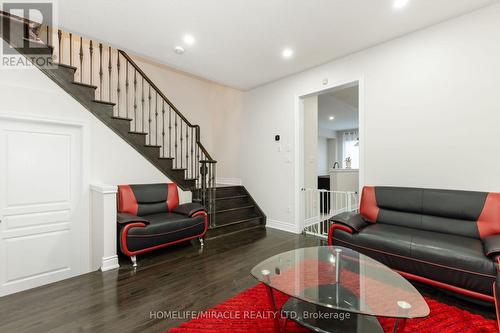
40, 233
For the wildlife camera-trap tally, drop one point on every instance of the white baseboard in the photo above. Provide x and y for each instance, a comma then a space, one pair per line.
229, 181
109, 263
283, 226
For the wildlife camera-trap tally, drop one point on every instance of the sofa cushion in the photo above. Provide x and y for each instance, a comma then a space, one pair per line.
164, 228
456, 260
384, 238
451, 259
448, 211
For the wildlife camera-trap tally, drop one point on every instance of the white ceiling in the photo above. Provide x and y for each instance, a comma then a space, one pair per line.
348, 95
239, 42
343, 105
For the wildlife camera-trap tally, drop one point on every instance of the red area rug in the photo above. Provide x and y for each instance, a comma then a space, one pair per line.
248, 313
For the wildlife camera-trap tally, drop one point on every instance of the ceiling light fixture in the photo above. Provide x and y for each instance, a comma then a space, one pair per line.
179, 49
331, 117
189, 39
398, 4
287, 53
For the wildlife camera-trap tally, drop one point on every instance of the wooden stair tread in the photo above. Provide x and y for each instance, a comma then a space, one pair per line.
104, 102
121, 118
232, 197
240, 221
65, 66
84, 84
234, 209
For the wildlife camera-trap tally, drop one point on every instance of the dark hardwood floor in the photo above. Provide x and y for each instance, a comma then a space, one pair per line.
178, 278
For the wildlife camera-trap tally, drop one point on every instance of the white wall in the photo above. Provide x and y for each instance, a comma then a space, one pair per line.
423, 96
216, 108
311, 142
322, 156
332, 152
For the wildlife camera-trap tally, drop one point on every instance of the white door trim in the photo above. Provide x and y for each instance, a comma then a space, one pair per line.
298, 174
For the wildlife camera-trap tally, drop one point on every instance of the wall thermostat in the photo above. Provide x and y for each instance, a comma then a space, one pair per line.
276, 138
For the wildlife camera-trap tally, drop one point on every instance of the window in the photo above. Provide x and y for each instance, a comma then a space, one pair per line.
350, 148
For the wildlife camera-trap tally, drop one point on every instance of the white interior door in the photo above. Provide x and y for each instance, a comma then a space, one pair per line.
40, 203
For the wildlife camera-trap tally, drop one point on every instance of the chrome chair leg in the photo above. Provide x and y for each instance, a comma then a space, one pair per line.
134, 261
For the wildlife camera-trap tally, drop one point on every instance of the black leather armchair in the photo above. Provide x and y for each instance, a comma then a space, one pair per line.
150, 217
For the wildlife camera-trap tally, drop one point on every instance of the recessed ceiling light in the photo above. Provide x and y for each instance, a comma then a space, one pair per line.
331, 117
189, 39
179, 49
287, 53
398, 4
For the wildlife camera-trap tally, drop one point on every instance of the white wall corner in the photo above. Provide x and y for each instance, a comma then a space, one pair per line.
283, 226
103, 212
229, 181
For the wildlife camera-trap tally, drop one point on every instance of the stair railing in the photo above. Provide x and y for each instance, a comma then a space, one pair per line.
120, 81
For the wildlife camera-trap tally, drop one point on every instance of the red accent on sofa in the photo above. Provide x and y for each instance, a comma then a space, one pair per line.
488, 222
124, 234
127, 202
458, 290
368, 207
172, 197
334, 227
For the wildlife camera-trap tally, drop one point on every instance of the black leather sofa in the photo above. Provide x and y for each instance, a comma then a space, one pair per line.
448, 239
150, 217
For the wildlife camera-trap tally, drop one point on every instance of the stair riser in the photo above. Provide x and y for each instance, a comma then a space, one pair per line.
222, 192
235, 215
67, 74
233, 203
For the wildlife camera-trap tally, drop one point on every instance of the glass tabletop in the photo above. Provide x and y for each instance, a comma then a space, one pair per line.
342, 279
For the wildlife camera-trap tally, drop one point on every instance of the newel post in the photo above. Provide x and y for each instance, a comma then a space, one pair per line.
103, 212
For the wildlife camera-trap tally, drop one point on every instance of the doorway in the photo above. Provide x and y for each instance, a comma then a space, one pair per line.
330, 157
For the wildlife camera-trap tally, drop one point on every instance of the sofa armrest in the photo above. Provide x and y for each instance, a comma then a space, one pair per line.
124, 218
491, 245
190, 209
351, 219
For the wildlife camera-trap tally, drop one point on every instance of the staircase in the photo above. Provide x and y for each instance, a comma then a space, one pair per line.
108, 83
235, 211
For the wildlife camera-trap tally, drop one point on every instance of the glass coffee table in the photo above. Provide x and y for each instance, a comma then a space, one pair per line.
336, 289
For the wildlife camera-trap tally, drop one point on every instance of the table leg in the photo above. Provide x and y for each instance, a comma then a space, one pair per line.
403, 310
399, 325
276, 312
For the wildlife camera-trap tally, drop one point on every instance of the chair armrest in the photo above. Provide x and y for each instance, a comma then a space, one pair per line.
351, 219
189, 209
123, 218
491, 245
